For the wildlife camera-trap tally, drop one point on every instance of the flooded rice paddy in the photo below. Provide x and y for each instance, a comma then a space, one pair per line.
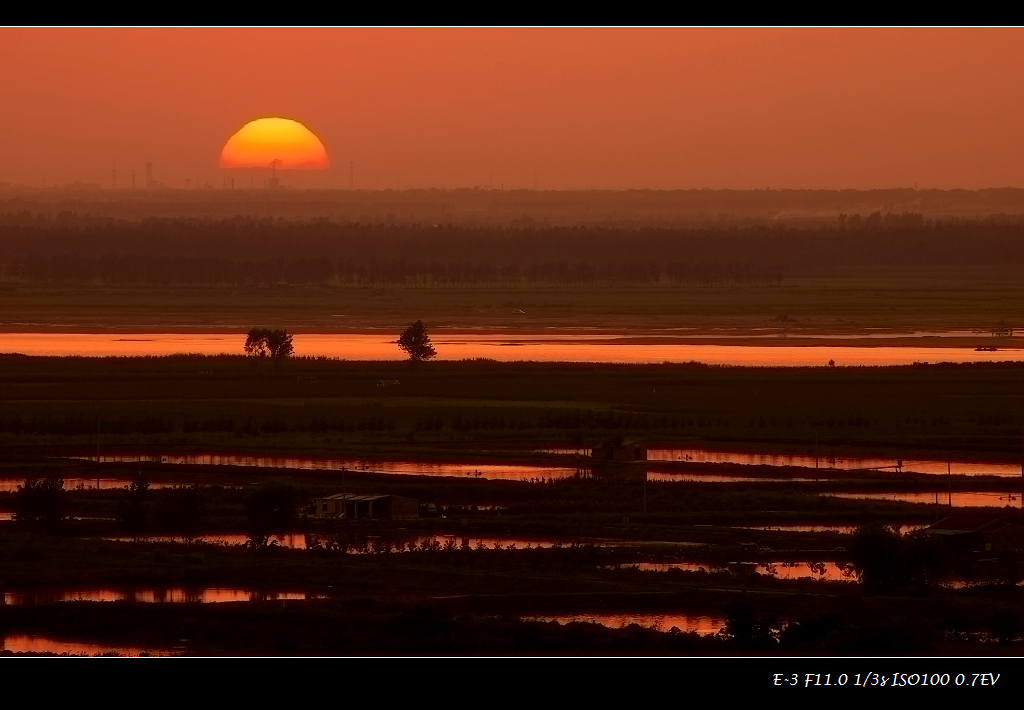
574, 347
209, 595
849, 463
704, 625
510, 472
28, 643
9, 485
844, 529
400, 543
829, 571
540, 473
956, 499
958, 467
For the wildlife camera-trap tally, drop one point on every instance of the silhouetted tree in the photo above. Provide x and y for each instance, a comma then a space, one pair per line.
183, 510
263, 342
885, 558
131, 509
416, 342
40, 501
271, 508
748, 629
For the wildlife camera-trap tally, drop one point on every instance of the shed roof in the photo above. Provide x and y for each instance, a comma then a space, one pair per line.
963, 524
365, 497
342, 496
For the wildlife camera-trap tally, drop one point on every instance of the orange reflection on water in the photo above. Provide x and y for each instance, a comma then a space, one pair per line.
829, 571
411, 468
26, 643
665, 566
295, 541
208, 595
671, 477
696, 623
298, 541
9, 485
812, 528
504, 348
781, 570
956, 499
847, 463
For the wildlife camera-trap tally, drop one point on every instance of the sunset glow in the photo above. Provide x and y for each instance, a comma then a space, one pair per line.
694, 343
266, 140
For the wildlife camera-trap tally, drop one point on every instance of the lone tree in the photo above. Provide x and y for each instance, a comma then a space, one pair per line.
131, 510
263, 342
416, 342
40, 501
271, 509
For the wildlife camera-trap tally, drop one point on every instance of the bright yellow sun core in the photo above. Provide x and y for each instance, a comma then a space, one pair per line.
282, 141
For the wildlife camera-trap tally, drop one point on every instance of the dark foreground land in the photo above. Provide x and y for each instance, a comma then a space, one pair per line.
329, 407
812, 267
453, 601
373, 593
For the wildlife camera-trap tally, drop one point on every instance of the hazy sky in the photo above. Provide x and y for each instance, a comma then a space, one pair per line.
571, 108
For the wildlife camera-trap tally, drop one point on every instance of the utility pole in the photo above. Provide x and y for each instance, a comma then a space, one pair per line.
97, 454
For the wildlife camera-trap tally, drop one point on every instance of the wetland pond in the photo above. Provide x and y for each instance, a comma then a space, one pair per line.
961, 467
541, 472
301, 541
510, 472
705, 625
30, 643
208, 595
829, 571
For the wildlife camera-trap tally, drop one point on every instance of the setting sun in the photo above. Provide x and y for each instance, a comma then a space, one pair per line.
287, 143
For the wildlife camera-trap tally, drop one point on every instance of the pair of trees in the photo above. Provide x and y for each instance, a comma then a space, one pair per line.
263, 342
277, 344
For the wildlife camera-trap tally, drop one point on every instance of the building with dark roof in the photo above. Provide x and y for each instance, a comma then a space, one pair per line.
979, 534
367, 506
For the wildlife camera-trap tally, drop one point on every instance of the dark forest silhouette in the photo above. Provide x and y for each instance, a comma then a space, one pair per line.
245, 251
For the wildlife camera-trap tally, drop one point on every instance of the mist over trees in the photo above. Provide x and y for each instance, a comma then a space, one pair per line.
245, 251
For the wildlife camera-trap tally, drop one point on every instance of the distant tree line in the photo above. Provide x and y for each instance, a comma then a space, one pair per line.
262, 252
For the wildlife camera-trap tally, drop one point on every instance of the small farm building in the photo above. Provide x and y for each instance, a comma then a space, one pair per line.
979, 534
374, 507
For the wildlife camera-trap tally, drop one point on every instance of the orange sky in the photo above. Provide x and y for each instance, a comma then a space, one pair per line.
577, 108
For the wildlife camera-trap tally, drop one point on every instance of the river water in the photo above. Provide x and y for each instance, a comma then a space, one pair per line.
504, 348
